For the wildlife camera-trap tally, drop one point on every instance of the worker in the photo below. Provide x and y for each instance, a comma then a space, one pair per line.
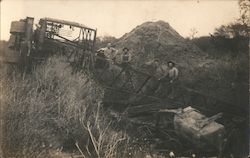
173, 72
172, 76
110, 53
125, 57
156, 63
157, 71
169, 79
101, 62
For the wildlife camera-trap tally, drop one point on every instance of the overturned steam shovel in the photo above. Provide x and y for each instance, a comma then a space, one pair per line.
195, 127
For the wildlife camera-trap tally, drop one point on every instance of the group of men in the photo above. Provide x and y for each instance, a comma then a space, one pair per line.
110, 54
165, 75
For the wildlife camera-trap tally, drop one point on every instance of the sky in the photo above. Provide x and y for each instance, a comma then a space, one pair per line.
115, 18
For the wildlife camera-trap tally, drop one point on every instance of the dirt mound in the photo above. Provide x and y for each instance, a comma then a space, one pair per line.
159, 40
197, 69
152, 32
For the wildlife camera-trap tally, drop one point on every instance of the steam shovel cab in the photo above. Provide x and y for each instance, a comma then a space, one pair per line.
20, 42
72, 39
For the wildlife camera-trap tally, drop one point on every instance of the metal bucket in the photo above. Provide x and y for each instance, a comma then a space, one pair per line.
199, 129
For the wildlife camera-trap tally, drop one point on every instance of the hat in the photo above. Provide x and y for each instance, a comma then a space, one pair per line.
156, 60
125, 48
170, 61
100, 50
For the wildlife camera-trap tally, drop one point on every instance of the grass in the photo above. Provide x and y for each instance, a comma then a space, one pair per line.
54, 110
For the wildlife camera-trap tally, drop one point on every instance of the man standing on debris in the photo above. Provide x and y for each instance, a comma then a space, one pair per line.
158, 71
173, 72
110, 53
169, 79
101, 61
125, 57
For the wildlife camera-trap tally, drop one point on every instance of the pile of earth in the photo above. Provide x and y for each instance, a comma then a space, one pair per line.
152, 40
197, 69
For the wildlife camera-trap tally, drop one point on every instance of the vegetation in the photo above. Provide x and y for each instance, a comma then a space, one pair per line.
53, 110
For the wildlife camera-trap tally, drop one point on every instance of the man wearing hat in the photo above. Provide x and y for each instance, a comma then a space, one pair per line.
169, 79
125, 57
110, 53
173, 72
101, 61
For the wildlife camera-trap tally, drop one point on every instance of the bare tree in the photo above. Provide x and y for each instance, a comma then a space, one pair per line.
244, 12
193, 33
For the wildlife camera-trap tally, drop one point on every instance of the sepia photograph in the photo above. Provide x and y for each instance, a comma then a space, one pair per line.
124, 78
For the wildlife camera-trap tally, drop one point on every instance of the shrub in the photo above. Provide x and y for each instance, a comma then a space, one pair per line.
52, 109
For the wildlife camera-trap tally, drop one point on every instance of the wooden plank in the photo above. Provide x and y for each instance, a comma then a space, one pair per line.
149, 108
143, 84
